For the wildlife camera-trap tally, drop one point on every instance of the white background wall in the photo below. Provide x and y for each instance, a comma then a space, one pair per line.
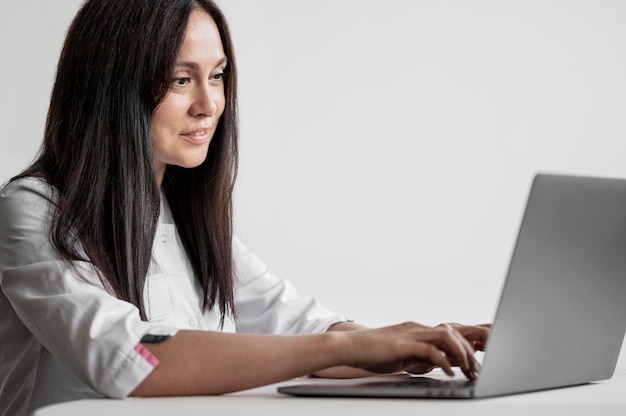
387, 147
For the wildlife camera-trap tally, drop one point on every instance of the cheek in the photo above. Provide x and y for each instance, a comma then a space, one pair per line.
158, 119
162, 127
168, 114
221, 104
158, 131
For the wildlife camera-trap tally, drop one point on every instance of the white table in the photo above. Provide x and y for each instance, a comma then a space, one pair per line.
600, 398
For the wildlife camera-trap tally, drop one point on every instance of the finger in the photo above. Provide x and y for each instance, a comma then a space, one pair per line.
469, 366
434, 355
479, 346
458, 340
459, 349
481, 333
419, 367
477, 335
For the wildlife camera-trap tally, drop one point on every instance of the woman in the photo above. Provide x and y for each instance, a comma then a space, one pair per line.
119, 272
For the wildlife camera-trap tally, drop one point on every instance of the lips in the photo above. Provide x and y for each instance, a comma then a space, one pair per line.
197, 136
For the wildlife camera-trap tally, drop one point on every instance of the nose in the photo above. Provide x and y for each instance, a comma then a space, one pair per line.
204, 103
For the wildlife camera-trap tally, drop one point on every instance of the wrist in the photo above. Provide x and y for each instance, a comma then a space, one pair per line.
337, 342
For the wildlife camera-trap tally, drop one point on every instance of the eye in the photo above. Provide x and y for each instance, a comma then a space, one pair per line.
217, 78
181, 81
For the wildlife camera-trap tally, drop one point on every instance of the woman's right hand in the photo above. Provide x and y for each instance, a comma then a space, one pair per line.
410, 347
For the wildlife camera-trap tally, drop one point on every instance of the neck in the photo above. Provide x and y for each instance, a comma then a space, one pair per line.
160, 172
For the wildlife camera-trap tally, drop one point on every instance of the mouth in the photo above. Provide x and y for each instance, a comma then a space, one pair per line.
199, 136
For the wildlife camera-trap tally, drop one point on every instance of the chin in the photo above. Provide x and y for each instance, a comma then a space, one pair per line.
192, 161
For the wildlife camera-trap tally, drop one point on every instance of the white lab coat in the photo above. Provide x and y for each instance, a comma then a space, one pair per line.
63, 338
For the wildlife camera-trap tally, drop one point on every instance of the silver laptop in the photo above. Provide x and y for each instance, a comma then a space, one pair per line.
563, 306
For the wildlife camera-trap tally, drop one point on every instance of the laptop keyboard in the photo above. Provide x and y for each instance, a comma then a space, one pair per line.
426, 382
427, 387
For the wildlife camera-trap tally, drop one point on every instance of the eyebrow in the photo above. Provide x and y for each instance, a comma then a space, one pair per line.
193, 65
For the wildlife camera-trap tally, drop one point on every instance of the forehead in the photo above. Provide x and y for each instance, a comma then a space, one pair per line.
202, 38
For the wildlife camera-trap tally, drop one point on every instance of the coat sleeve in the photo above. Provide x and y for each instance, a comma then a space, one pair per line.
66, 309
265, 303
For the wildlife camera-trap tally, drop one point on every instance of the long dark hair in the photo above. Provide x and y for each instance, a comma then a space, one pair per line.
114, 70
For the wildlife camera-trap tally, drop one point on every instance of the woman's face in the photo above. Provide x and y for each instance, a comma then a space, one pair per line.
184, 122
